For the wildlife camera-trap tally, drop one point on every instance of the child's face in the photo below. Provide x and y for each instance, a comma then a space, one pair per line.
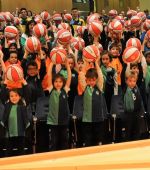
12, 48
31, 27
131, 82
13, 58
58, 84
91, 81
135, 70
32, 70
44, 54
105, 59
80, 65
14, 97
71, 63
148, 59
91, 64
114, 51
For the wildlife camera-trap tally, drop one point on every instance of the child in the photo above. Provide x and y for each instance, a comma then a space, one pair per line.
110, 78
139, 70
115, 63
34, 76
134, 109
94, 107
58, 116
13, 59
74, 81
16, 121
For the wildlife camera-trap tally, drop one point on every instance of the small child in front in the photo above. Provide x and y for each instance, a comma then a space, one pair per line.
134, 109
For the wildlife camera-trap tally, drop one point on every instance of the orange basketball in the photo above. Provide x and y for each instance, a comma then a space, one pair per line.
45, 15
39, 30
14, 73
95, 28
134, 42
8, 17
146, 25
11, 32
77, 43
142, 15
131, 55
58, 55
63, 26
127, 24
115, 26
80, 30
147, 35
32, 44
57, 17
120, 19
136, 21
68, 17
90, 53
93, 17
112, 13
64, 36
131, 13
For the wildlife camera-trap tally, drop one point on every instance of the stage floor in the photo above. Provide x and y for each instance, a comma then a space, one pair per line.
129, 155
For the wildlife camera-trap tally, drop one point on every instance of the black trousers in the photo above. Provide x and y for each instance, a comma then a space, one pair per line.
132, 127
58, 137
15, 146
92, 133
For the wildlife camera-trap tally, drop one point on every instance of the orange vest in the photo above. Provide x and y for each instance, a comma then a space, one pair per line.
116, 64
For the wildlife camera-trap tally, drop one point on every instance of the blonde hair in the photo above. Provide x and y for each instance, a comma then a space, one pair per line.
131, 74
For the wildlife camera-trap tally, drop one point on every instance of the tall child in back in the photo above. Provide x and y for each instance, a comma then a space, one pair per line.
58, 116
114, 51
94, 107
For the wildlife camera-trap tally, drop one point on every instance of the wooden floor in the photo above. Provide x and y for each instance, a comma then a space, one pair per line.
130, 155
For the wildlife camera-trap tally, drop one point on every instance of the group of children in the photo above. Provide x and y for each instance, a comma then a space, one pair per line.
95, 82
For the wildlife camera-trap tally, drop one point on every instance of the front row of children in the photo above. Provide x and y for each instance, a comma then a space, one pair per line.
16, 118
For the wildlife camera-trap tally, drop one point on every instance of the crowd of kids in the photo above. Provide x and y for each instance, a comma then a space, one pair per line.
77, 94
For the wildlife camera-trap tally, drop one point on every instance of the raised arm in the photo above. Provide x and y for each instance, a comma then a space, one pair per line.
100, 80
68, 82
50, 75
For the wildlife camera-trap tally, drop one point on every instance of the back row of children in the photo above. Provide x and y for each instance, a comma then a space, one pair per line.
96, 82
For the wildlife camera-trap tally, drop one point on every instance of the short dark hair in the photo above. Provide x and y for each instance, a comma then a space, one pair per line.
32, 63
75, 8
23, 9
91, 73
13, 44
114, 45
